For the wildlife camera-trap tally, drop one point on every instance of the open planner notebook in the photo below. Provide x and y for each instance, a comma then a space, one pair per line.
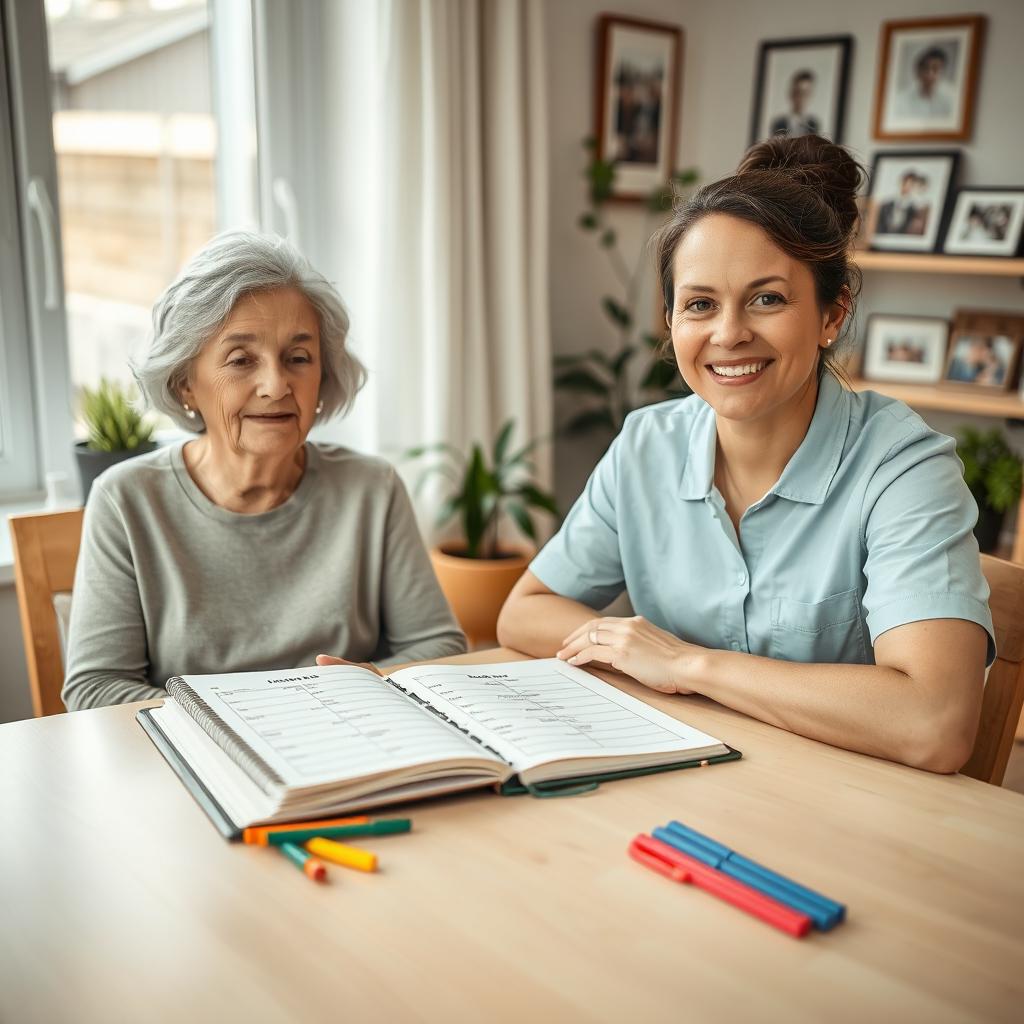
264, 747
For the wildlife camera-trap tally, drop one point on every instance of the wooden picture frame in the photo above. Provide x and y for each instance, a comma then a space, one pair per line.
909, 199
636, 102
782, 65
984, 351
928, 79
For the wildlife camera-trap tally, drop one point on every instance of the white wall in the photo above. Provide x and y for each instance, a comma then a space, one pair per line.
718, 79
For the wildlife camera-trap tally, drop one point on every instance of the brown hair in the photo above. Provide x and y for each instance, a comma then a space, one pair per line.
802, 192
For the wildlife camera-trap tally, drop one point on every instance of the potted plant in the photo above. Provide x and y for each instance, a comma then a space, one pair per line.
602, 380
477, 572
116, 431
992, 471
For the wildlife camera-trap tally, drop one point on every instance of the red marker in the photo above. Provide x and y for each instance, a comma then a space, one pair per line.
670, 862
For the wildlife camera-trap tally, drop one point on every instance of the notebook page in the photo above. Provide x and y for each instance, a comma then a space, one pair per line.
533, 712
338, 722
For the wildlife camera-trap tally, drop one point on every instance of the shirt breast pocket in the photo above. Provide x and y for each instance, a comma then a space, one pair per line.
825, 632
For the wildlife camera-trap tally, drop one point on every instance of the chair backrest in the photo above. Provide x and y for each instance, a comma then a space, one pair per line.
45, 554
1004, 691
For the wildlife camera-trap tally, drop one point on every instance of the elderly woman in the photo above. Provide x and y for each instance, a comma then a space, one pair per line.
247, 547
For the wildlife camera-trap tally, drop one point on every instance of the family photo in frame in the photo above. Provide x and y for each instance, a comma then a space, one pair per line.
904, 349
909, 198
927, 78
800, 87
986, 222
984, 350
638, 75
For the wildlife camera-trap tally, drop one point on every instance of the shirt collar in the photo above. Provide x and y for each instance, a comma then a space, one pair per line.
808, 474
700, 456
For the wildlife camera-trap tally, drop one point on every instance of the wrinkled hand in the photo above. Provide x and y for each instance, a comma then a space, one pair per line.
632, 646
329, 659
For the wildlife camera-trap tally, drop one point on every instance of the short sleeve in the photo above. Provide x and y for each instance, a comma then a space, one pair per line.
583, 560
922, 558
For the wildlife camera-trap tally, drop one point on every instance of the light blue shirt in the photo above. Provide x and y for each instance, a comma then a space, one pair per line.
869, 527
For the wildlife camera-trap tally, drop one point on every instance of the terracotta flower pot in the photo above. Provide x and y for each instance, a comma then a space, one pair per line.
476, 588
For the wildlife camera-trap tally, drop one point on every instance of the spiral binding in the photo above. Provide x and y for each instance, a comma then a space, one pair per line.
214, 726
450, 721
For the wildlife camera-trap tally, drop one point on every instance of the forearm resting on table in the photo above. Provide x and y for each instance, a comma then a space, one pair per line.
538, 623
102, 690
926, 718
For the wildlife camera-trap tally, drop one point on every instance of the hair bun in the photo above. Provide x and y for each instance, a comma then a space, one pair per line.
813, 161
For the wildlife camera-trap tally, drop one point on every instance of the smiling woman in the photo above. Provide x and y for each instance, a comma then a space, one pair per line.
248, 547
796, 551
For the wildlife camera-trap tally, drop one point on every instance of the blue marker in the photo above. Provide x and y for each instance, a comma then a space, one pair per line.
836, 911
820, 917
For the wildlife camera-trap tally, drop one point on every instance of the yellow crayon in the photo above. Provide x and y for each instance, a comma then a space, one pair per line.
346, 856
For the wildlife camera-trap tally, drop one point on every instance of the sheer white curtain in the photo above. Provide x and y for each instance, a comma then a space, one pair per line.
436, 164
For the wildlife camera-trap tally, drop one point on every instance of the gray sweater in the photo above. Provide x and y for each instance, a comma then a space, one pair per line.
169, 583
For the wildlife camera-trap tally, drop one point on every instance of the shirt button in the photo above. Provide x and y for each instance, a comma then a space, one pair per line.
735, 645
741, 578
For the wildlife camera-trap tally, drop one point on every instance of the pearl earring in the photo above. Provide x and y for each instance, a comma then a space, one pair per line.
319, 408
190, 413
828, 341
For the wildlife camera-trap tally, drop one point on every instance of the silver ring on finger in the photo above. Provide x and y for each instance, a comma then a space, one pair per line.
593, 637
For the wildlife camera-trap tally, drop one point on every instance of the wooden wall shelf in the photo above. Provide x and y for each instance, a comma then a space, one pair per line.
948, 399
934, 263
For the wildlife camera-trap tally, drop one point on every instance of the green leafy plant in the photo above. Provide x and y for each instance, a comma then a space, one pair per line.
603, 380
112, 421
992, 470
483, 491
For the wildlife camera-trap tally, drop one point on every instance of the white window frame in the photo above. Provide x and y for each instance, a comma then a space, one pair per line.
33, 332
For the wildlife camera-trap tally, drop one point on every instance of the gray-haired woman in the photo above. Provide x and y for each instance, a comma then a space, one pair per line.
247, 547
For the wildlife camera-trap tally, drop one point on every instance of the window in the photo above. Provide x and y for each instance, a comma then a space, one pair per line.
34, 420
127, 138
134, 131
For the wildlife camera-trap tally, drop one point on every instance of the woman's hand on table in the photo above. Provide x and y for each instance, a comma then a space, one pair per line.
634, 647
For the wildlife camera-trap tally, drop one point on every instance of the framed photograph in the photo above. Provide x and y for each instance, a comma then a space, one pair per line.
637, 102
909, 199
984, 351
986, 222
800, 87
908, 349
927, 78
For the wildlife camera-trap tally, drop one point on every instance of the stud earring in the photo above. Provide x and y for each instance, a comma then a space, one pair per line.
319, 408
828, 341
190, 413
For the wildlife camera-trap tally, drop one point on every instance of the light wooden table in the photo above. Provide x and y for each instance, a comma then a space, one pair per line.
119, 901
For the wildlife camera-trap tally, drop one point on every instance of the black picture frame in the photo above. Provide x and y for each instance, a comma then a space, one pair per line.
1014, 243
907, 241
844, 44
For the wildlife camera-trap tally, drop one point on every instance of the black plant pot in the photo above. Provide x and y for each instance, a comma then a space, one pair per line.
988, 528
92, 463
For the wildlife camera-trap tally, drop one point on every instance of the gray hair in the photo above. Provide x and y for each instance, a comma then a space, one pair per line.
230, 266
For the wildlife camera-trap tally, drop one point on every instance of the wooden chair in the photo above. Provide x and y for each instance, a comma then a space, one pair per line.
1004, 691
45, 555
